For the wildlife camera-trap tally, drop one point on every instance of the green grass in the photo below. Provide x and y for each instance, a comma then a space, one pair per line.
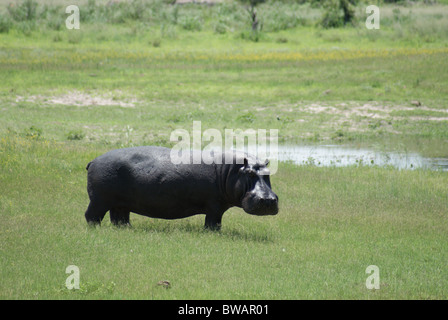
69, 96
276, 94
333, 223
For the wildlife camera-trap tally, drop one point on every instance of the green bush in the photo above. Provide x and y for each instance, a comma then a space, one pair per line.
89, 12
279, 17
338, 13
75, 135
56, 23
33, 133
228, 16
191, 23
333, 16
221, 27
5, 23
156, 43
24, 11
251, 9
26, 27
247, 117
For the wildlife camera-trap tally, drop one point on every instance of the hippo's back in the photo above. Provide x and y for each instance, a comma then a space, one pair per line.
144, 180
116, 173
132, 156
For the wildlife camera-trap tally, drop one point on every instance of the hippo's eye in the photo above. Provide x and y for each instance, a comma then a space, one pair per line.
252, 173
249, 171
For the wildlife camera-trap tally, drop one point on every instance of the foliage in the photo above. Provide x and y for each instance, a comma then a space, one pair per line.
5, 23
190, 23
75, 135
253, 12
338, 13
26, 10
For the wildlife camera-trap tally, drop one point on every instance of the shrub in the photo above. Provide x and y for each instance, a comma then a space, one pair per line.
221, 27
253, 12
332, 17
25, 11
5, 23
156, 43
75, 135
26, 27
89, 12
247, 117
280, 17
191, 23
338, 13
33, 132
56, 23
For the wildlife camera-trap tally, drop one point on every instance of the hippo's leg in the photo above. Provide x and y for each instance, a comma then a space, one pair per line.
213, 218
120, 217
212, 223
95, 213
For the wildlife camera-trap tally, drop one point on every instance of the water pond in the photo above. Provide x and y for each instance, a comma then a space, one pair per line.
339, 156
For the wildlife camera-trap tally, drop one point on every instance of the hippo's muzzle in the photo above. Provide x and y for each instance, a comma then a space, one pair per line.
261, 205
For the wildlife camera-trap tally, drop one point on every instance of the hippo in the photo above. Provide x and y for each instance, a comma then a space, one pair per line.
145, 181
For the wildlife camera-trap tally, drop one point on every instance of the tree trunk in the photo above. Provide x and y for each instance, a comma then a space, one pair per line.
253, 14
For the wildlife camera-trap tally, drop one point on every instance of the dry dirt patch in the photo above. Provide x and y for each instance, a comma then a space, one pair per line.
372, 110
83, 99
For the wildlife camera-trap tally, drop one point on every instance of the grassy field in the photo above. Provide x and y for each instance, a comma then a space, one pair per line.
333, 223
67, 96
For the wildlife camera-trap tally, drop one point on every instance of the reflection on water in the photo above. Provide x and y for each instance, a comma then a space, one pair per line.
334, 155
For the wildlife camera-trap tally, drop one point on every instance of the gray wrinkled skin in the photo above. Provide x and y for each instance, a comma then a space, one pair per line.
143, 180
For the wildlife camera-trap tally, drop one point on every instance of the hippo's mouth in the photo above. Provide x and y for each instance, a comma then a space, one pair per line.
260, 206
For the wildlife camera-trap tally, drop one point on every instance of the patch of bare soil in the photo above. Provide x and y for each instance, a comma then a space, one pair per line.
82, 99
372, 110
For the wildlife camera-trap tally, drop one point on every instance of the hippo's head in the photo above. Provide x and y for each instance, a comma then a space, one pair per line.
257, 196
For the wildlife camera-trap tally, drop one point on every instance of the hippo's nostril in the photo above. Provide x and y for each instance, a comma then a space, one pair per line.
264, 201
272, 199
270, 203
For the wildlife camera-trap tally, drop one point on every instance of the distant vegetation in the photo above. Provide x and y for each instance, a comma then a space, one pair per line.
240, 16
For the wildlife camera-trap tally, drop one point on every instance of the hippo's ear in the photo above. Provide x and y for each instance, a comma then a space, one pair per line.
266, 163
245, 166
